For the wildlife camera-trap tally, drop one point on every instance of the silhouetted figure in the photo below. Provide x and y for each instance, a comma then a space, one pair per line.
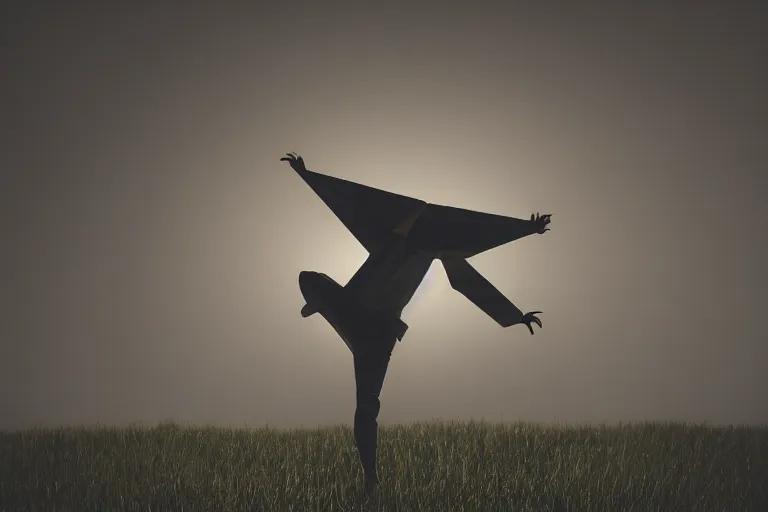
403, 236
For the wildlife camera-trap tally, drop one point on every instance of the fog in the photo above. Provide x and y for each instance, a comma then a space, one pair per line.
152, 240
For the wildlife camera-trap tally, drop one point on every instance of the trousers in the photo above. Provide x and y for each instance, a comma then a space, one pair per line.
371, 361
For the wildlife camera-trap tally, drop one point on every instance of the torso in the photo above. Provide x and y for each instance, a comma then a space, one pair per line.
387, 280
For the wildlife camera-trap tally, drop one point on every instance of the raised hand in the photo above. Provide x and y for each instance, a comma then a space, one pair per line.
530, 318
297, 163
540, 223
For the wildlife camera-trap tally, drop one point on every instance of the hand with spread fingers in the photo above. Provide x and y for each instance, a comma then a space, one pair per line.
530, 318
296, 162
540, 223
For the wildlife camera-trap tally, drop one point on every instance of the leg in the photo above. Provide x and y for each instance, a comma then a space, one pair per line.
371, 364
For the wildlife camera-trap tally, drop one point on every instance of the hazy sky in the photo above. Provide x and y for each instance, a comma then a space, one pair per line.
152, 240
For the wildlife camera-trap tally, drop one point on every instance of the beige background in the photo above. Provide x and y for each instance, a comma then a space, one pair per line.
152, 239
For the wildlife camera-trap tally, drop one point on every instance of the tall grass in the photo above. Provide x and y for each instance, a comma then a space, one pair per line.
427, 466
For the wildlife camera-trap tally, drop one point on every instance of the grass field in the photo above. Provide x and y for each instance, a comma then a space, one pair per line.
432, 466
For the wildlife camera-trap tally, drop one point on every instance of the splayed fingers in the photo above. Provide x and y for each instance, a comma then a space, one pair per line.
296, 162
540, 222
530, 318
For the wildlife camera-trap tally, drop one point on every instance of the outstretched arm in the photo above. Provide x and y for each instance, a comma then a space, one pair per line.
371, 215
461, 233
470, 283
